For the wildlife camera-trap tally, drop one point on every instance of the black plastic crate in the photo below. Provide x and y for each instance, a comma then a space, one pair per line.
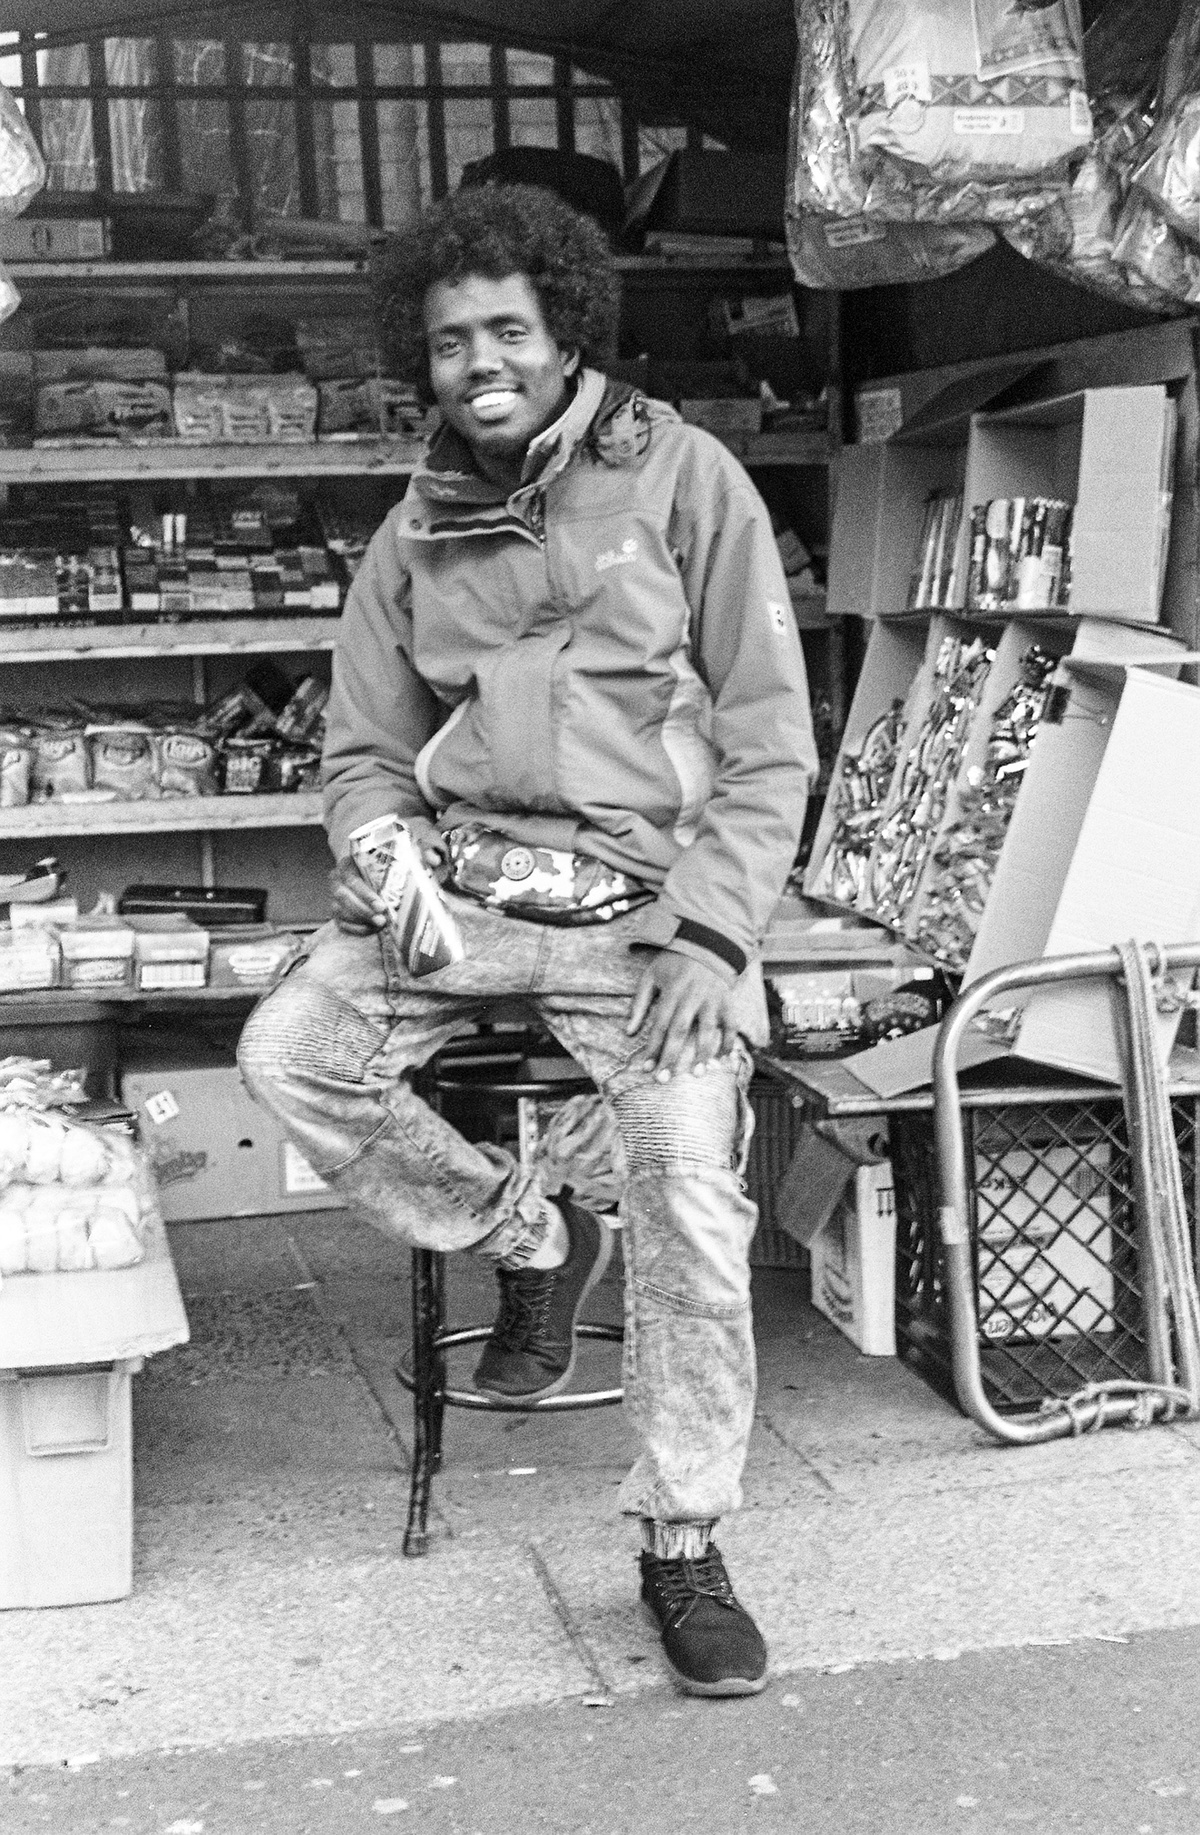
778, 1119
1054, 1239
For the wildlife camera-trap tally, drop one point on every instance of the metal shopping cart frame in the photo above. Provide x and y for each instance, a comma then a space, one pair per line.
1106, 1405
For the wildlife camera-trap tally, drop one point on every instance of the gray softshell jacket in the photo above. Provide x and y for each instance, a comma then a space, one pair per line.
606, 660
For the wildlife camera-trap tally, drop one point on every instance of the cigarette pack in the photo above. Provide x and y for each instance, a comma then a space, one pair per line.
390, 862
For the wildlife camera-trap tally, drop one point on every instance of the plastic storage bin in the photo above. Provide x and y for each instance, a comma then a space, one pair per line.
66, 1484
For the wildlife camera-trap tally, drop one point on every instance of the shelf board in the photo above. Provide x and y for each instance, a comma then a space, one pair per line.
172, 815
87, 272
181, 459
49, 1006
281, 272
190, 637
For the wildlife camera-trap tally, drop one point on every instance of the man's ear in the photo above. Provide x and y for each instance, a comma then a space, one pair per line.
570, 361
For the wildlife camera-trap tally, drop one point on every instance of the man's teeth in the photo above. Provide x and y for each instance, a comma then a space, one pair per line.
495, 398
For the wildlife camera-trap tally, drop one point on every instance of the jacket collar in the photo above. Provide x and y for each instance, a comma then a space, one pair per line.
601, 413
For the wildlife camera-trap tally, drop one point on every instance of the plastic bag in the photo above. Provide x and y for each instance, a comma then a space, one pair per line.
72, 1197
938, 111
22, 168
1132, 56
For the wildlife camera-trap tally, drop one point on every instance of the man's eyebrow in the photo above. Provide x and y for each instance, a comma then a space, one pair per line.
498, 319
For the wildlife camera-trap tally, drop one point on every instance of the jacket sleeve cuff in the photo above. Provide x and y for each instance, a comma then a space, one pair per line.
661, 928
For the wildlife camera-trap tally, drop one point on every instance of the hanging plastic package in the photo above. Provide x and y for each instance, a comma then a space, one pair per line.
836, 253
939, 111
1152, 242
1169, 173
22, 168
1076, 235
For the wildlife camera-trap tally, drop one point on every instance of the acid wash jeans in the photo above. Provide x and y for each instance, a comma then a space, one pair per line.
329, 1052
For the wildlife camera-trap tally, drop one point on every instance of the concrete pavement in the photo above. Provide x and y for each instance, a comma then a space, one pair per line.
273, 1613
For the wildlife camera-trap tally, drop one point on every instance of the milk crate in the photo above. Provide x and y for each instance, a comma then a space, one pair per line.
1054, 1236
778, 1119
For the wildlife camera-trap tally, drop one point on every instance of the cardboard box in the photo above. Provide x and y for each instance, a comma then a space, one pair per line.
880, 492
169, 951
66, 1485
1109, 452
53, 238
1045, 1242
1104, 845
854, 1262
69, 1346
214, 1151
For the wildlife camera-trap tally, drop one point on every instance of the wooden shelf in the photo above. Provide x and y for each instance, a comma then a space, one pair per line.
180, 459
190, 637
157, 272
50, 1006
810, 446
172, 815
281, 272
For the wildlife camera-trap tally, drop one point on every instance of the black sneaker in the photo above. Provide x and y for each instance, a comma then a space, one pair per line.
531, 1352
711, 1642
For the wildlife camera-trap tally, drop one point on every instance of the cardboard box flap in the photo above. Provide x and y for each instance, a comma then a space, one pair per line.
95, 1317
946, 418
1114, 670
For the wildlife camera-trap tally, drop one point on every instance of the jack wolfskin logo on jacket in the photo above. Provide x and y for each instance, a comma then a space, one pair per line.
612, 558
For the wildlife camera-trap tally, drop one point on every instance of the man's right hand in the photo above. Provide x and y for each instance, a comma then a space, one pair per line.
357, 907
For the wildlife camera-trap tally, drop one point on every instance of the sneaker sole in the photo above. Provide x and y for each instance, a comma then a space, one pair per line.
727, 1686
532, 1396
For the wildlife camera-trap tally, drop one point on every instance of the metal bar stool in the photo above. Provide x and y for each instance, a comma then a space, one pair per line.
493, 1078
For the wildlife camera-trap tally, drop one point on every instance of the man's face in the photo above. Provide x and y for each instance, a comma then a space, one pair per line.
497, 374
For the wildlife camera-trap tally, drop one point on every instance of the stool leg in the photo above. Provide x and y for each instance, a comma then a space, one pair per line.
437, 1413
429, 1378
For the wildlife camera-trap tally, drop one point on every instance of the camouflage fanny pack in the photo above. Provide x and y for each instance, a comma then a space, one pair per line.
544, 885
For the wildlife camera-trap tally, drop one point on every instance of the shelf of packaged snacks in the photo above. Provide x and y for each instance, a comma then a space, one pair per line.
179, 459
190, 637
171, 815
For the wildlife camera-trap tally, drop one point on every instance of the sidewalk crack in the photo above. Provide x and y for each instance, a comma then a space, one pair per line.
566, 1618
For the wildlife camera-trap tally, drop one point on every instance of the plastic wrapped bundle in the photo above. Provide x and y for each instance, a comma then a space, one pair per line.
965, 859
22, 168
1169, 172
1076, 236
940, 111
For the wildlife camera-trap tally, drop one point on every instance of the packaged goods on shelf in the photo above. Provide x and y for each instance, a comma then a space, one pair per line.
252, 957
169, 952
97, 952
965, 859
102, 412
96, 364
336, 345
16, 762
16, 395
29, 958
61, 762
933, 581
351, 407
935, 113
212, 410
925, 775
1020, 554
857, 799
51, 913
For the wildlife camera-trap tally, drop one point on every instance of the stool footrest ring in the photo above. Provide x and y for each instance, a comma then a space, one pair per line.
551, 1404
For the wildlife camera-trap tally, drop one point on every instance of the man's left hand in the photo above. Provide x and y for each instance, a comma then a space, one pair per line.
687, 1012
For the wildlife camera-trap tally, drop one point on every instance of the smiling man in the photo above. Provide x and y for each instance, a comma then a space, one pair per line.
568, 663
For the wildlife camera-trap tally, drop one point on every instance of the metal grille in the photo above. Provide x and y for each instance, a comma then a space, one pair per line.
778, 1119
1054, 1235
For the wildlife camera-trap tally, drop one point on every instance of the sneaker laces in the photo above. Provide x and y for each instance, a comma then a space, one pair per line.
524, 1299
683, 1583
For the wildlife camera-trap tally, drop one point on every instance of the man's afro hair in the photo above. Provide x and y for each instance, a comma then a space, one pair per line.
498, 230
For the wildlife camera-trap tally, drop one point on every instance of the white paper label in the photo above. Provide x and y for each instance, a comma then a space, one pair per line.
902, 81
161, 1108
298, 1175
1081, 115
989, 121
880, 414
854, 233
